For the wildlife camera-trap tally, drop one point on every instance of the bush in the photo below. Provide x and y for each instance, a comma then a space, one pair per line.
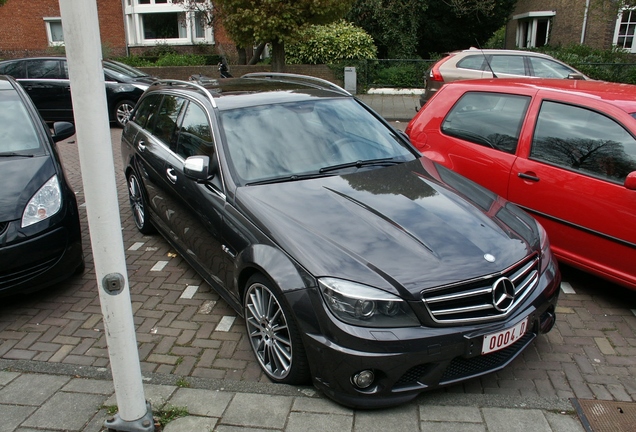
180, 60
326, 44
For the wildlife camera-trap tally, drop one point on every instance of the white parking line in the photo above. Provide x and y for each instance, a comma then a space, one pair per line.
189, 292
225, 323
136, 246
159, 266
567, 288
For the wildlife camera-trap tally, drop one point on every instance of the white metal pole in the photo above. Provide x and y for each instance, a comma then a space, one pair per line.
83, 50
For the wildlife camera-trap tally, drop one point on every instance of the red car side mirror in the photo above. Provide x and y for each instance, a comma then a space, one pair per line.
630, 180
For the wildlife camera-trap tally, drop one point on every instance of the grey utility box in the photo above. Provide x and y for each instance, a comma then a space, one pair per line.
350, 79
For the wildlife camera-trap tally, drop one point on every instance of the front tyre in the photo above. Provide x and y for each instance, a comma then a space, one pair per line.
121, 112
138, 206
273, 333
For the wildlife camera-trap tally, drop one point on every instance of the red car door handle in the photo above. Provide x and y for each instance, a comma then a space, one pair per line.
528, 177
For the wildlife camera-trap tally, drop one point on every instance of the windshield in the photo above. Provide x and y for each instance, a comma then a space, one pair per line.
17, 132
308, 137
120, 69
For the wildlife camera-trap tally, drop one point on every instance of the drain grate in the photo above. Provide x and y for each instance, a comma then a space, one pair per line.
606, 416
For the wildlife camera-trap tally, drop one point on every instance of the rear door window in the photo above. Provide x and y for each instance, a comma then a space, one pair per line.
489, 119
508, 64
195, 135
46, 69
583, 140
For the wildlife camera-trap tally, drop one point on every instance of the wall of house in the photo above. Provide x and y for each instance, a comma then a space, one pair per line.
567, 24
23, 29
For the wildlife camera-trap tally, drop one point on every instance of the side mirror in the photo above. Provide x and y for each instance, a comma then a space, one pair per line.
576, 76
630, 181
62, 130
198, 168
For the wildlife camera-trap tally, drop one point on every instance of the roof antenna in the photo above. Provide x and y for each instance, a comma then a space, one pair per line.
494, 75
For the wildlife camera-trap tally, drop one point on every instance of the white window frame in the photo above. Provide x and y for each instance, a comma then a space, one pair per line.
134, 12
617, 29
529, 39
49, 33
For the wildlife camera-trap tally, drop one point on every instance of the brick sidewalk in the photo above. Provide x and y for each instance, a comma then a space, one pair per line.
185, 330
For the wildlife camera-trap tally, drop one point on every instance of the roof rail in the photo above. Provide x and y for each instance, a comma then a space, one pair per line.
309, 80
192, 83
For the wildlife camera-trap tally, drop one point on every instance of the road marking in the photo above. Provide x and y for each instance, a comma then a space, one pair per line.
136, 246
189, 292
159, 266
225, 323
567, 288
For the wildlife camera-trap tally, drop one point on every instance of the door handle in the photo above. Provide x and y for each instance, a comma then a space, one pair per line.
172, 175
528, 177
141, 145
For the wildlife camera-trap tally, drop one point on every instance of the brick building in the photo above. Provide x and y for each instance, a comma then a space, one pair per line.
596, 23
126, 26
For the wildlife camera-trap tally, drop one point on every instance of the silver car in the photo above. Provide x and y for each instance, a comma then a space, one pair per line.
476, 63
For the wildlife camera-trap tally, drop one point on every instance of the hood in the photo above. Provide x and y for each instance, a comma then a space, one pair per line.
404, 228
21, 179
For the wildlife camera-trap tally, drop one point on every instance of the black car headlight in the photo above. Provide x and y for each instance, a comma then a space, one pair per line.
365, 306
45, 203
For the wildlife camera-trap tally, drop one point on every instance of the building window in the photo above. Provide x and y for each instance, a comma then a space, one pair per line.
164, 25
625, 29
152, 22
54, 31
533, 28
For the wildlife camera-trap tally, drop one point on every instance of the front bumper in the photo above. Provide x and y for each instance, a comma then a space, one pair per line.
407, 361
32, 262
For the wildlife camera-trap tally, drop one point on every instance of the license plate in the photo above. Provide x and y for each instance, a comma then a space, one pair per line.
500, 340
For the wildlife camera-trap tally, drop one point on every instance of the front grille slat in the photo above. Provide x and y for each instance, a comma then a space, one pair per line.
473, 301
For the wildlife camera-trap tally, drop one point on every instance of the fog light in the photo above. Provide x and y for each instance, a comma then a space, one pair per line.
363, 379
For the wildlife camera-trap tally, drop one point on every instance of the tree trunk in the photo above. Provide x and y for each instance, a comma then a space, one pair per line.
242, 55
278, 56
257, 54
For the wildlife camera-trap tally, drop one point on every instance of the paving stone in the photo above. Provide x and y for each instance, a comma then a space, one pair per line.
563, 423
190, 424
13, 416
30, 389
399, 419
210, 403
257, 410
66, 411
506, 420
319, 405
316, 422
436, 413
80, 385
451, 427
7, 377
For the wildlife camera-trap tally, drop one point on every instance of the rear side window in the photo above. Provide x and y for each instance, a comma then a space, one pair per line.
583, 140
474, 62
46, 69
489, 119
15, 69
508, 64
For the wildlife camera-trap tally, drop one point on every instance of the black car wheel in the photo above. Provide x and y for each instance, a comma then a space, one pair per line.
273, 333
138, 206
122, 112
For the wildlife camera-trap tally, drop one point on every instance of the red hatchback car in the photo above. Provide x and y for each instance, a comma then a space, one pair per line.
563, 150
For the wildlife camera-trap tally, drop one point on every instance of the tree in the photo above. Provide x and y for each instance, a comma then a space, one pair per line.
458, 24
275, 21
392, 23
411, 28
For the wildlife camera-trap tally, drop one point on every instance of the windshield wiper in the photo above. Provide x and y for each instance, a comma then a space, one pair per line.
288, 178
12, 154
360, 164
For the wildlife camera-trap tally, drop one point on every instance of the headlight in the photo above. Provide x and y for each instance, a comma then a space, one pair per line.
45, 203
546, 253
365, 306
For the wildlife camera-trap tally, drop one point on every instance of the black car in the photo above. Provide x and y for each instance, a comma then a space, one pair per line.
40, 237
356, 262
46, 80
